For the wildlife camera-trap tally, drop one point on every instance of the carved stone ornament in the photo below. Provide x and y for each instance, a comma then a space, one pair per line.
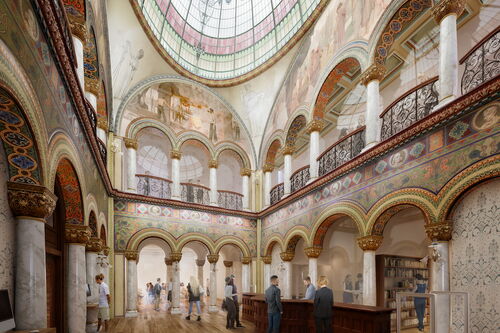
213, 164
246, 260
228, 263
213, 258
374, 72
77, 234
439, 231
287, 256
175, 154
132, 255
313, 252
245, 172
168, 261
200, 262
370, 243
30, 200
105, 250
267, 260
268, 167
102, 123
447, 7
94, 245
316, 125
130, 143
176, 256
288, 150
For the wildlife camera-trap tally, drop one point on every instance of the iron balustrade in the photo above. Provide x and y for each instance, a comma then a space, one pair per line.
342, 151
299, 178
277, 193
230, 200
195, 193
92, 117
410, 108
154, 186
102, 150
482, 63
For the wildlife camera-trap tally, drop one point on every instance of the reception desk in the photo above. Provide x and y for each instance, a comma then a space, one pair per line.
297, 316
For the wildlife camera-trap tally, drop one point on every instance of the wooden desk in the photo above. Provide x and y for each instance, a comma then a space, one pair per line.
347, 318
247, 306
42, 330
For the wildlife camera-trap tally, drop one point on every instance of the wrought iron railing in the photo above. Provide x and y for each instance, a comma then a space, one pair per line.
299, 178
154, 186
410, 108
195, 193
102, 150
482, 63
342, 151
277, 193
92, 117
230, 200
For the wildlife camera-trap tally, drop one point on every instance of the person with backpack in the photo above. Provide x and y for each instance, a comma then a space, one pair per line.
194, 291
157, 294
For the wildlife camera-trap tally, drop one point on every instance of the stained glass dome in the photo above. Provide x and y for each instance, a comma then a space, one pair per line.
220, 40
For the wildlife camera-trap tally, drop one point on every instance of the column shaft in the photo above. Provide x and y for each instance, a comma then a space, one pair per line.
313, 155
372, 113
287, 279
176, 176
245, 283
78, 45
267, 275
213, 187
246, 202
440, 275
132, 169
76, 297
449, 87
369, 278
287, 173
176, 288
267, 189
313, 271
213, 288
131, 288
92, 99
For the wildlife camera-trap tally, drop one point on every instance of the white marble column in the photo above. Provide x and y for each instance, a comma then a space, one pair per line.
369, 244
132, 257
77, 237
313, 129
176, 283
287, 170
286, 284
267, 271
92, 99
169, 274
212, 259
199, 264
131, 158
245, 180
371, 79
246, 274
446, 13
267, 169
78, 46
176, 155
313, 253
214, 195
102, 129
93, 247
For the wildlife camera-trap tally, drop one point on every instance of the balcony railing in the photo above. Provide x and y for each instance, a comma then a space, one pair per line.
299, 178
154, 186
342, 151
277, 193
482, 63
195, 193
230, 200
92, 116
102, 150
410, 108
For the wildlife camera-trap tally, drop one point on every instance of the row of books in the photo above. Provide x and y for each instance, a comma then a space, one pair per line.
403, 262
398, 272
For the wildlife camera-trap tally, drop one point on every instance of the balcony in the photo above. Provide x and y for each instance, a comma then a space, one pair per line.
154, 186
230, 200
299, 178
102, 150
195, 193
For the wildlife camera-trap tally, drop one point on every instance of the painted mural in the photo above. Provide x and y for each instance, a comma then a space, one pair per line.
131, 217
428, 162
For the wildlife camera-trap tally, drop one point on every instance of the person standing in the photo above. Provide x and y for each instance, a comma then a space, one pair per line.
169, 293
310, 289
236, 304
157, 294
104, 301
274, 307
229, 303
193, 289
419, 302
323, 306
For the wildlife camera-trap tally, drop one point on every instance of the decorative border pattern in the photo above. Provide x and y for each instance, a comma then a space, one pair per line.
72, 195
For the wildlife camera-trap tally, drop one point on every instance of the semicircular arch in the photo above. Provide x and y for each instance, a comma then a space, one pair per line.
232, 240
227, 145
271, 242
293, 236
136, 125
195, 237
136, 239
195, 136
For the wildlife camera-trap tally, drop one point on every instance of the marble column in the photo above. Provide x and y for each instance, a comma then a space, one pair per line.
371, 79
200, 263
78, 46
212, 259
440, 235
131, 145
92, 248
30, 204
176, 283
132, 258
102, 129
446, 13
228, 264
267, 271
246, 274
313, 129
175, 156
287, 170
313, 253
76, 236
168, 275
214, 195
286, 284
369, 244
245, 180
267, 169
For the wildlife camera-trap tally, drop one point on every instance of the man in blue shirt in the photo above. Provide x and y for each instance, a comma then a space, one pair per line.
274, 307
310, 289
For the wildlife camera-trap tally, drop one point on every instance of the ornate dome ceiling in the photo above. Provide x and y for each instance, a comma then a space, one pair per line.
224, 42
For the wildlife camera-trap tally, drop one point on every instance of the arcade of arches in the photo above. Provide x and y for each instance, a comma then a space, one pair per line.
195, 140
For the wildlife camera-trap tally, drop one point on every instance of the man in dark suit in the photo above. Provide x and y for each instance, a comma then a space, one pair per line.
323, 306
274, 307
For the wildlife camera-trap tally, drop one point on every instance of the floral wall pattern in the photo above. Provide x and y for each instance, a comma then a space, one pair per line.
72, 196
474, 255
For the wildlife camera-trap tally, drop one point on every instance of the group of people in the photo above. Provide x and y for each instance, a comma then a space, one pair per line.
154, 293
231, 304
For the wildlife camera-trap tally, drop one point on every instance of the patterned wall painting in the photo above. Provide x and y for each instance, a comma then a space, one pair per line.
428, 162
474, 257
131, 217
71, 192
93, 224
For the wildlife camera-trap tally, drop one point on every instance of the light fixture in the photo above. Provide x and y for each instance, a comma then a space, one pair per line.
102, 260
434, 252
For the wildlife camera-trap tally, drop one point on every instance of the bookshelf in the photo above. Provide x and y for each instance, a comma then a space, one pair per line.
397, 274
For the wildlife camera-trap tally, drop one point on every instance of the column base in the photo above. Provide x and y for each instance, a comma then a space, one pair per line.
91, 328
176, 311
213, 308
131, 314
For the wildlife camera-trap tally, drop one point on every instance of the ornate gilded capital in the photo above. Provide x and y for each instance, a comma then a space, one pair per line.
316, 125
313, 252
200, 262
288, 150
131, 143
30, 200
94, 244
447, 7
268, 167
374, 72
213, 164
287, 256
102, 123
246, 260
267, 260
228, 263
132, 255
92, 86
168, 261
370, 243
78, 29
77, 234
175, 154
439, 231
213, 258
245, 172
105, 250
176, 256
